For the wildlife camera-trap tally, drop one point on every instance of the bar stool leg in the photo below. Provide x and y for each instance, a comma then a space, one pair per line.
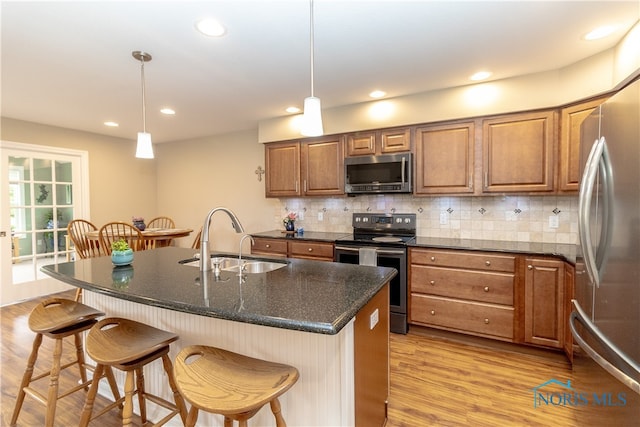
91, 396
26, 378
177, 397
192, 417
80, 359
127, 412
277, 412
54, 381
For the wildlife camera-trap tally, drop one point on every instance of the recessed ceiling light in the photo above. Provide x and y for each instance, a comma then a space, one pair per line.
111, 124
600, 32
377, 94
210, 27
481, 75
168, 111
292, 110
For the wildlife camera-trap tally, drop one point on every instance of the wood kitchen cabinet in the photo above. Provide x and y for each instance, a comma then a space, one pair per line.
314, 168
518, 152
379, 142
445, 159
571, 119
463, 291
307, 249
282, 177
544, 287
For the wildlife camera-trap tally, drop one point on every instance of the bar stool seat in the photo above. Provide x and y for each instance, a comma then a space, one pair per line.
57, 318
129, 346
230, 384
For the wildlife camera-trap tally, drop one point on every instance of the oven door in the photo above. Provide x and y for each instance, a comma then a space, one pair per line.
386, 257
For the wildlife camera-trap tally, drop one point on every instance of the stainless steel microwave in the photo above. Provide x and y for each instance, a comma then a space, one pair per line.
386, 173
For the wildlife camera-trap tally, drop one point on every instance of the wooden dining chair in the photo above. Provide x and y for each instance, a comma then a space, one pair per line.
116, 230
161, 222
84, 247
196, 241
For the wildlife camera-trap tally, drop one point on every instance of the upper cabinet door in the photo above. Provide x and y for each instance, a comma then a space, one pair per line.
445, 159
395, 140
518, 152
323, 167
282, 161
569, 163
361, 144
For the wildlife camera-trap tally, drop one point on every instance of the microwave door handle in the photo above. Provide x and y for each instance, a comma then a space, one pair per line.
403, 171
584, 210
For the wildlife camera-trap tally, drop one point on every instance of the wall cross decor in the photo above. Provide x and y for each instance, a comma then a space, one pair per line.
260, 172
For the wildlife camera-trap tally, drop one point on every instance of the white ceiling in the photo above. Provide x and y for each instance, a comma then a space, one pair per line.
69, 63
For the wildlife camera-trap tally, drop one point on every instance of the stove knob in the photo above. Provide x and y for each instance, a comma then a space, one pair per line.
407, 220
398, 220
365, 219
357, 219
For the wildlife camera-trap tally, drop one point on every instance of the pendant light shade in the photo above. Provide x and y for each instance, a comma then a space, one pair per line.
144, 148
312, 117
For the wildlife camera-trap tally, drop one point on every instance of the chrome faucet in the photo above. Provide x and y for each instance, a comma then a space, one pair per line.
242, 266
205, 252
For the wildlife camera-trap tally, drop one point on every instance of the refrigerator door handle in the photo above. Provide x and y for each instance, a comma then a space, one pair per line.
578, 315
598, 160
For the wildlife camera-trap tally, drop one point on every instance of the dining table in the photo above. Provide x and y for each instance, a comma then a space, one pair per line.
154, 237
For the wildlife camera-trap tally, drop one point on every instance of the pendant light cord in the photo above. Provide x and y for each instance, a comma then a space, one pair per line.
311, 44
144, 101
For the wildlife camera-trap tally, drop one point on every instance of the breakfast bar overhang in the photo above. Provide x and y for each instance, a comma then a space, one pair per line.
329, 320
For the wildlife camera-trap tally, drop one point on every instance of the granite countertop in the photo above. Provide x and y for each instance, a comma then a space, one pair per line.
566, 251
310, 296
307, 235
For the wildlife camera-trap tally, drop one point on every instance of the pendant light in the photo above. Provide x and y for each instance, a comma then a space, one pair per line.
144, 149
312, 116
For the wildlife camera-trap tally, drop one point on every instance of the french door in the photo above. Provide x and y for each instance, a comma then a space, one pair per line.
42, 189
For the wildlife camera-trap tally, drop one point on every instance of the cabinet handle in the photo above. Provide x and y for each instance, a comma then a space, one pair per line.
296, 185
530, 267
433, 312
267, 246
305, 185
432, 283
487, 263
486, 321
486, 289
310, 249
433, 258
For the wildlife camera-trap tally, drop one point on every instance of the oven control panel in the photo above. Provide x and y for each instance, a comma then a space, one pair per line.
378, 221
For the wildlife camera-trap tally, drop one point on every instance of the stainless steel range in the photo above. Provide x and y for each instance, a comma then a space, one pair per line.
387, 236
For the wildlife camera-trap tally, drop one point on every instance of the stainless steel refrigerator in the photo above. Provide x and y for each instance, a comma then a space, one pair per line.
605, 318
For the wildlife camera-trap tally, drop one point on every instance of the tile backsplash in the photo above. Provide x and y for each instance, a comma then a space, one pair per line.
511, 218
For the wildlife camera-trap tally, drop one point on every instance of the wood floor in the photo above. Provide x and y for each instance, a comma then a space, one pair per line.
435, 380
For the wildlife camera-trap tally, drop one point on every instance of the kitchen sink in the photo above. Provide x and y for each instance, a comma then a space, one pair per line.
231, 264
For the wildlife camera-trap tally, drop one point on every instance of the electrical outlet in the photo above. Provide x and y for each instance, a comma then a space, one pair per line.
554, 221
320, 216
373, 319
300, 215
444, 219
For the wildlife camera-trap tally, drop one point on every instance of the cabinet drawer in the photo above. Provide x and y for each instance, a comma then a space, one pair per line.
269, 246
496, 288
311, 249
464, 259
462, 315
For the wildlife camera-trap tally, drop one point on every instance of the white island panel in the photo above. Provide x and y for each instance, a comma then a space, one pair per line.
323, 395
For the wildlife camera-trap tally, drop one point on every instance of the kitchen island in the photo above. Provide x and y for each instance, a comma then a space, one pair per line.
328, 320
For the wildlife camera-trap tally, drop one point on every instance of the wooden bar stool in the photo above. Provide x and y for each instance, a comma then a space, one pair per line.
230, 384
57, 318
129, 346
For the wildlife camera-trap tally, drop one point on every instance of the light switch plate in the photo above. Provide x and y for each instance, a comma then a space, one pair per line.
444, 219
320, 216
554, 221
